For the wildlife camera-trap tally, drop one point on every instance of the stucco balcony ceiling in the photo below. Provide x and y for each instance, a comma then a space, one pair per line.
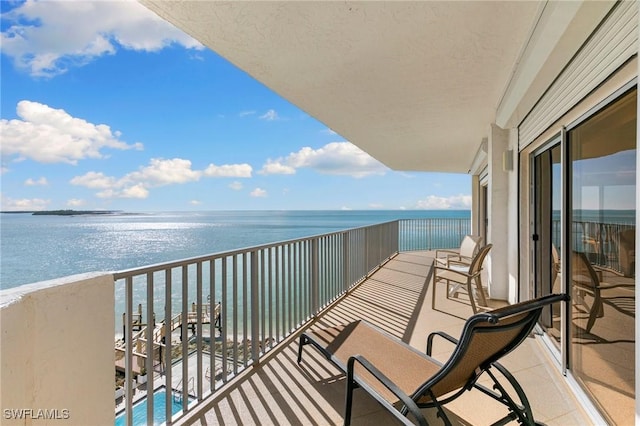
414, 84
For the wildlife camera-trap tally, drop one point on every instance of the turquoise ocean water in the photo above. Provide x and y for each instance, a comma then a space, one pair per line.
38, 248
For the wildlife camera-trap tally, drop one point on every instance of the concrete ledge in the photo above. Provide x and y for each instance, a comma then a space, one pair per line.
57, 357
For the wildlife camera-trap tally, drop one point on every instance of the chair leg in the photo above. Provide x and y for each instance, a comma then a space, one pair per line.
349, 397
433, 299
522, 410
480, 289
471, 296
303, 341
441, 413
596, 311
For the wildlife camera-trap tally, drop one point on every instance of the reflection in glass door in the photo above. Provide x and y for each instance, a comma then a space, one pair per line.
547, 236
601, 256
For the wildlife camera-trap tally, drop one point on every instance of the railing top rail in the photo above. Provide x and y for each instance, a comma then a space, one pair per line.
229, 253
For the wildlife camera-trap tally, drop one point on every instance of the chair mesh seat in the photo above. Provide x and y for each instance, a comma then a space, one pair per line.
392, 371
405, 367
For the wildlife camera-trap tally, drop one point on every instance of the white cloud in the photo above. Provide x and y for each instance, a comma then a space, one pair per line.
159, 172
328, 131
94, 180
135, 191
49, 135
10, 204
165, 172
229, 170
195, 202
246, 113
276, 167
4, 169
109, 193
336, 158
32, 182
75, 202
48, 37
236, 186
434, 202
270, 115
258, 192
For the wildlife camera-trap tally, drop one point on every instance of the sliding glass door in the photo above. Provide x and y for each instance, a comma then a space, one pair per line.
547, 190
601, 250
583, 216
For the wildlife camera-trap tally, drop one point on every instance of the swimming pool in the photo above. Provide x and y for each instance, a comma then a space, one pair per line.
140, 410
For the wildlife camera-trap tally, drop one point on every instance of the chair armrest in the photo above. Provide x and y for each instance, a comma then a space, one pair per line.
447, 252
406, 400
442, 334
462, 261
444, 261
455, 271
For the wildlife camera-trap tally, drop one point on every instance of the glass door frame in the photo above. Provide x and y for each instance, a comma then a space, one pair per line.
560, 352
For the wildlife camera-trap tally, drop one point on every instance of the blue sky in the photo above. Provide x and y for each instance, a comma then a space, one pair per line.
106, 106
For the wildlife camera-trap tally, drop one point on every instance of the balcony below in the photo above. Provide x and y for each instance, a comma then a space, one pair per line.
396, 298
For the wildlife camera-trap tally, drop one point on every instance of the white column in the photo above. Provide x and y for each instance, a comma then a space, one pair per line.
502, 211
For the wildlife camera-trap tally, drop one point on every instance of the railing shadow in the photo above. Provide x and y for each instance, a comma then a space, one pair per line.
278, 390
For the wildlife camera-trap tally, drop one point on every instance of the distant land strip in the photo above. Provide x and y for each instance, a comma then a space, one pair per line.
65, 212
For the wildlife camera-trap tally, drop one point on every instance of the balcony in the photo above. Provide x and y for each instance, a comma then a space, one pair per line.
379, 273
397, 299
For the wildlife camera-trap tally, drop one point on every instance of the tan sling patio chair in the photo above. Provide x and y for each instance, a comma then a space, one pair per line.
463, 276
468, 248
404, 380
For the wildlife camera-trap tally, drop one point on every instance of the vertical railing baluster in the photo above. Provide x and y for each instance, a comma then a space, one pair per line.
277, 292
212, 324
168, 405
336, 271
295, 283
345, 261
290, 284
185, 337
300, 283
149, 348
223, 319
263, 283
314, 277
245, 307
271, 310
128, 354
199, 330
235, 307
307, 279
255, 309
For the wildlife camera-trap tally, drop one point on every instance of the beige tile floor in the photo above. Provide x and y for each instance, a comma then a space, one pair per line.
278, 391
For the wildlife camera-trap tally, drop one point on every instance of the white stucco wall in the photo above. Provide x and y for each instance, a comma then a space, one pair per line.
57, 353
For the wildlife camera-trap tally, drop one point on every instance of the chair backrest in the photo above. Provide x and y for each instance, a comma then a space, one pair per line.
582, 273
469, 245
486, 337
476, 263
474, 268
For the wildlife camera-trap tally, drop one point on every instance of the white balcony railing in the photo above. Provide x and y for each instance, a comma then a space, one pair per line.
227, 310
